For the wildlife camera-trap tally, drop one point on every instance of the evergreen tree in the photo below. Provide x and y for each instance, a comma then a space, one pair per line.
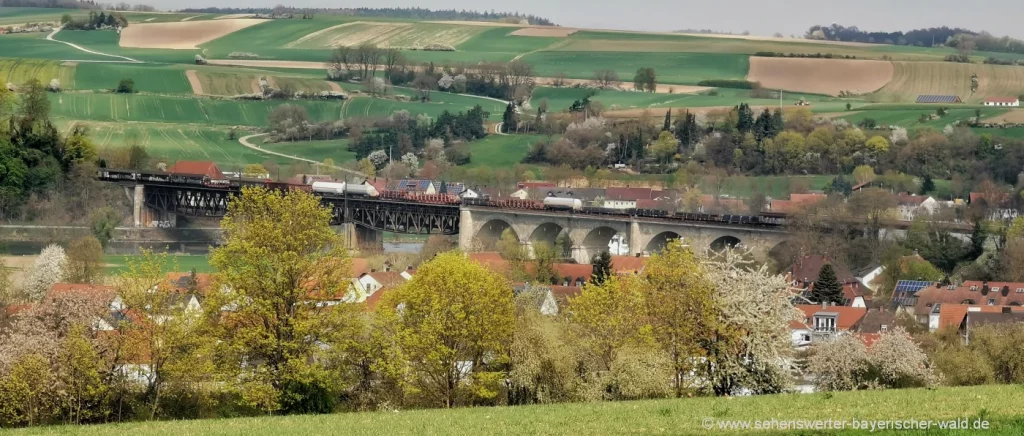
839, 185
763, 126
745, 120
978, 237
668, 121
686, 130
509, 118
827, 289
778, 124
928, 185
602, 268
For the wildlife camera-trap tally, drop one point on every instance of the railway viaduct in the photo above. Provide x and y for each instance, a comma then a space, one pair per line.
481, 227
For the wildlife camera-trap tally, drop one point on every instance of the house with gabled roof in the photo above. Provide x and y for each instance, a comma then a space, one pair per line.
1002, 101
824, 321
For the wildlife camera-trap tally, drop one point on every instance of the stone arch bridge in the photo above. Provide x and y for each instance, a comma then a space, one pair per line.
588, 235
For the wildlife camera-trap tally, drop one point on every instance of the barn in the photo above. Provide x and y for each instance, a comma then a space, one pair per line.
938, 99
1003, 101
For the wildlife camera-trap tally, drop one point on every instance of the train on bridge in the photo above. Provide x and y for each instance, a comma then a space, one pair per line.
341, 190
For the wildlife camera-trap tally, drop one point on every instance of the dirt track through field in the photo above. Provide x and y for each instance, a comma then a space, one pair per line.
820, 76
334, 86
256, 86
182, 35
1013, 116
193, 79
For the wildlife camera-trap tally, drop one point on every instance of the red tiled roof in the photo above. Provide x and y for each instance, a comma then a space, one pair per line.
374, 299
852, 290
563, 293
197, 167
869, 339
847, 317
85, 289
380, 185
15, 309
1002, 100
929, 296
387, 279
951, 315
993, 199
490, 260
630, 194
203, 281
628, 264
807, 268
360, 266
573, 270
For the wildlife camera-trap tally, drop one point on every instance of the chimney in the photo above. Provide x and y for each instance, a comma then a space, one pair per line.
824, 305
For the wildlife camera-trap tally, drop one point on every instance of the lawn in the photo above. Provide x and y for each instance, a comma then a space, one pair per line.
677, 68
116, 264
314, 150
19, 71
500, 151
160, 79
997, 404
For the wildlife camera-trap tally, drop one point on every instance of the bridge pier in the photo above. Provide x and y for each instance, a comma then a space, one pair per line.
143, 216
361, 238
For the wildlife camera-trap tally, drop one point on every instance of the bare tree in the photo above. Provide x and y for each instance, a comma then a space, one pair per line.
342, 59
516, 75
369, 56
606, 78
392, 59
425, 83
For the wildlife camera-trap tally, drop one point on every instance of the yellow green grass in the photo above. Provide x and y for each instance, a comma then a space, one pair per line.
911, 79
232, 83
19, 71
301, 84
1000, 405
388, 34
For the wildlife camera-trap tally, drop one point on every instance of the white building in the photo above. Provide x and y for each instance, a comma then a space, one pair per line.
1003, 101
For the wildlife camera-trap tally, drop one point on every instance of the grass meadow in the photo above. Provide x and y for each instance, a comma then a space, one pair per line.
19, 71
315, 150
908, 115
500, 151
677, 68
997, 404
117, 264
148, 78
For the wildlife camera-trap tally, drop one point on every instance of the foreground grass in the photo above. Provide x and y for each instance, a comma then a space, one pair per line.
998, 404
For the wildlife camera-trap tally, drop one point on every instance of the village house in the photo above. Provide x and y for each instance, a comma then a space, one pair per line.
999, 204
928, 300
945, 316
910, 206
1002, 101
804, 272
823, 322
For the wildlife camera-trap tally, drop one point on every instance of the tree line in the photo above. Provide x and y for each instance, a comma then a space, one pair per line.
926, 37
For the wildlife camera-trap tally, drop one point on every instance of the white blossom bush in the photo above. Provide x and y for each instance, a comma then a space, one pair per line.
459, 83
378, 158
840, 364
899, 362
445, 82
47, 270
54, 85
411, 161
948, 130
899, 135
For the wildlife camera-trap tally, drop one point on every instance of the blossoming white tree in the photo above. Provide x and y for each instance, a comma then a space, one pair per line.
47, 270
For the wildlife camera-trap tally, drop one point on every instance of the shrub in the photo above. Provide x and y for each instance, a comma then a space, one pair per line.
729, 83
126, 86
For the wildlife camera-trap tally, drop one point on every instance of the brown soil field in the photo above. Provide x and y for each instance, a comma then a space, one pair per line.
256, 86
193, 79
553, 32
947, 78
1013, 116
820, 76
180, 35
334, 86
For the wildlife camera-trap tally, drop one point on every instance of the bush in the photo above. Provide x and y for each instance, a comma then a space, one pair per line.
729, 83
126, 86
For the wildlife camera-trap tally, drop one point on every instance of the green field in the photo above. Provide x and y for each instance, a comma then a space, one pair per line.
169, 109
35, 46
172, 142
116, 264
19, 71
148, 78
107, 42
677, 68
500, 151
908, 115
314, 150
999, 405
440, 102
560, 99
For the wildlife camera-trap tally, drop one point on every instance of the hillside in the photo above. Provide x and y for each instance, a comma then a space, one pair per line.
997, 404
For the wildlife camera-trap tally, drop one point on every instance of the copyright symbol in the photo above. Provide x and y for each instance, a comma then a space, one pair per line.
707, 423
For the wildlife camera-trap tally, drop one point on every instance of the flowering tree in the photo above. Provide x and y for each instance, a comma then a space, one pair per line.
751, 343
445, 82
899, 135
47, 270
840, 364
410, 160
899, 362
378, 158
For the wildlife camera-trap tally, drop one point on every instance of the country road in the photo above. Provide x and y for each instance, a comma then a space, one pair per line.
245, 142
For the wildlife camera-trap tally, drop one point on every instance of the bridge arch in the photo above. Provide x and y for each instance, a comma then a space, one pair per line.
723, 242
783, 254
487, 237
596, 241
554, 235
660, 241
